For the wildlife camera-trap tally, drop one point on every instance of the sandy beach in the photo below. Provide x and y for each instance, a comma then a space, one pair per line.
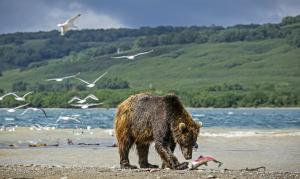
92, 153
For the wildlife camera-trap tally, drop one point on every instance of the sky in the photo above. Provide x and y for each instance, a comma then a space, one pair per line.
44, 15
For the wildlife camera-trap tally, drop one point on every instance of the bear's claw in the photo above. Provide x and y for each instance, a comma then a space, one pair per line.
182, 166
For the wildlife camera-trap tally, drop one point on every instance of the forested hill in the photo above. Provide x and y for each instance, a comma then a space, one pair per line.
241, 65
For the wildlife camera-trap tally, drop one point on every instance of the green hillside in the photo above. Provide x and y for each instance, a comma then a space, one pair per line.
233, 67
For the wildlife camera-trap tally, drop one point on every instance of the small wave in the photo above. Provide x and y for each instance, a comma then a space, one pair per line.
233, 134
9, 119
198, 115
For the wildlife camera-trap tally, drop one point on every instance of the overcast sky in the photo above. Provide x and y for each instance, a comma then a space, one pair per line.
43, 15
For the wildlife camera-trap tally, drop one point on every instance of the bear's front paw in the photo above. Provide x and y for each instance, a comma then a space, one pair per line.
128, 166
148, 165
182, 166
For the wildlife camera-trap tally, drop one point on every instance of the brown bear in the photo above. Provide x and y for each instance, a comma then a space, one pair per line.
144, 118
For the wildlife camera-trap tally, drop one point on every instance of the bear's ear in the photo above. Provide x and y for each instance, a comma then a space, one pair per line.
182, 126
200, 124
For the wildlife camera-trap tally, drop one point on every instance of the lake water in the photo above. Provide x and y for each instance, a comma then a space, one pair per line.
236, 121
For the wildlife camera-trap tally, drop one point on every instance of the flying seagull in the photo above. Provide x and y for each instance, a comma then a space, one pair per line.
64, 27
85, 106
131, 57
14, 109
19, 98
34, 109
90, 85
80, 101
62, 78
7, 94
67, 118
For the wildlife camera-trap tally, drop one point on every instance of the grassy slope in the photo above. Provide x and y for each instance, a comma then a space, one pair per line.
183, 67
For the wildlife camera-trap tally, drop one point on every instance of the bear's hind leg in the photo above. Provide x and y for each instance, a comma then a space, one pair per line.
143, 151
124, 147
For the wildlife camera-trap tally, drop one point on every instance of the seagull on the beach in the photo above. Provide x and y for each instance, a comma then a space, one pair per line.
62, 78
14, 109
131, 57
11, 127
67, 118
80, 101
90, 85
85, 106
64, 27
34, 109
110, 132
20, 98
39, 127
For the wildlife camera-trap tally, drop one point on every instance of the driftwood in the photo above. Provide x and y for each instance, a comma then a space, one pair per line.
248, 169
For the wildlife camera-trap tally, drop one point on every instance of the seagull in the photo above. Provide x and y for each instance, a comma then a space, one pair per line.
131, 57
14, 109
64, 27
19, 98
80, 101
90, 85
2, 97
10, 127
67, 118
34, 109
39, 127
62, 78
85, 106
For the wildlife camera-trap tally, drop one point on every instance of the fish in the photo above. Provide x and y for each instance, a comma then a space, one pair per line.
202, 160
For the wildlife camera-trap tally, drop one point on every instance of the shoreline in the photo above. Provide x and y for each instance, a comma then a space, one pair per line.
42, 171
279, 153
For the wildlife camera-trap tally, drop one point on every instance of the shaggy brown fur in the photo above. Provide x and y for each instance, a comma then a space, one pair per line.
144, 118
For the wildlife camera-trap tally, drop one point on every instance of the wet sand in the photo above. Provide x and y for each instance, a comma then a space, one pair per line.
280, 155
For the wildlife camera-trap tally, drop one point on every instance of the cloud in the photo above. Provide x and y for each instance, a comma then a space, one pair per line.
36, 15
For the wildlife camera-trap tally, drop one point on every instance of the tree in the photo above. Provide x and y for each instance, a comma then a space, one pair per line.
19, 86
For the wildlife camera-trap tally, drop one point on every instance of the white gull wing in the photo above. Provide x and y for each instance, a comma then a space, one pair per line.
92, 97
34, 109
14, 94
21, 106
71, 76
62, 78
142, 53
72, 19
121, 57
66, 118
99, 77
25, 111
80, 105
27, 94
73, 99
82, 80
1, 98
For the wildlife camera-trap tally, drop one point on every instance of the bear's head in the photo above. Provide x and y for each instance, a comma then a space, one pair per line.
184, 129
186, 134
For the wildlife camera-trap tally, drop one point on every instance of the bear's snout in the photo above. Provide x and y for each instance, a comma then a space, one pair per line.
188, 157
